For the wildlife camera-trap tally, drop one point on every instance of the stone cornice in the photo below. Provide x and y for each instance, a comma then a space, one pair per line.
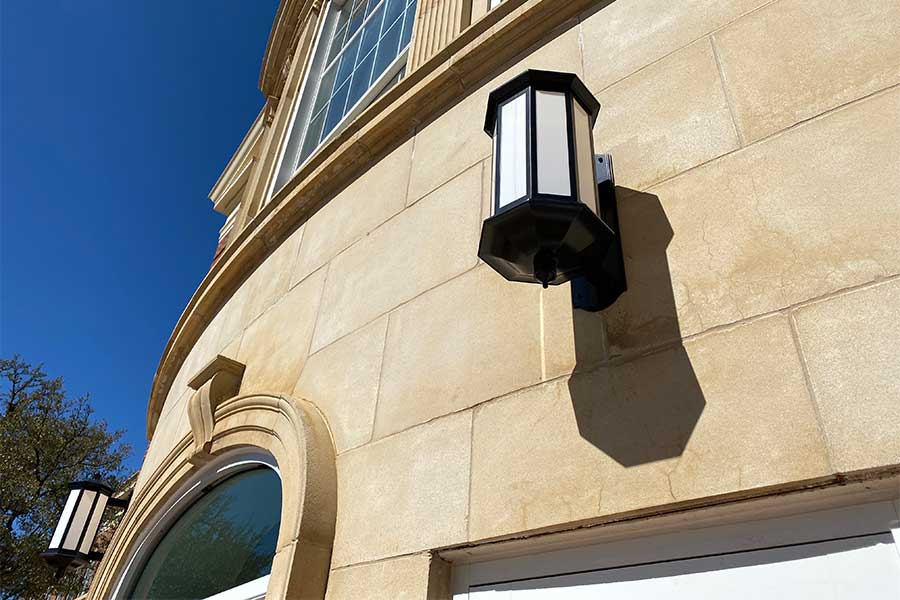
281, 44
479, 52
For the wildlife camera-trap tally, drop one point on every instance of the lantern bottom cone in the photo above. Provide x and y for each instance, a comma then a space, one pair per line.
544, 241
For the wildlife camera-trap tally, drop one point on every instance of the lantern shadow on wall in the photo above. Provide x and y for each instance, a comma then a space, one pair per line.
640, 406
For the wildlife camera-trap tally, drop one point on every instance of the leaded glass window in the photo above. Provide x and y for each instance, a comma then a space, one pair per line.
224, 540
361, 51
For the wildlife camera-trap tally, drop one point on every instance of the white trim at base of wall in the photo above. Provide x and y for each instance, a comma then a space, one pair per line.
684, 537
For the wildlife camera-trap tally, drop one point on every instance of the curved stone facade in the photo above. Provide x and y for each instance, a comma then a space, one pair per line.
757, 154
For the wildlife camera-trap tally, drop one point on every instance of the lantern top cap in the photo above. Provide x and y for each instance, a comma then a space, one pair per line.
93, 485
553, 81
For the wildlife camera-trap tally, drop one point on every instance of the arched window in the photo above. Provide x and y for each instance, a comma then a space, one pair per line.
221, 543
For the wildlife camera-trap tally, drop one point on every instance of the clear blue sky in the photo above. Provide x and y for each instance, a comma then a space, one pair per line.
117, 118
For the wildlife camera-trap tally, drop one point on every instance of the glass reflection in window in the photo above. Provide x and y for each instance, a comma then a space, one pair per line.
224, 539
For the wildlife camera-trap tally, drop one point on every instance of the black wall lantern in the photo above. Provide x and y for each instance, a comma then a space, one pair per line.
554, 209
78, 525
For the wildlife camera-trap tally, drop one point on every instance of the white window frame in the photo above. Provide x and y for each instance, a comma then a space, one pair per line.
217, 470
679, 542
296, 132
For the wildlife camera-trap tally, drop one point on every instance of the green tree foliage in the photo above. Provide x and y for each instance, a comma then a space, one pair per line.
47, 439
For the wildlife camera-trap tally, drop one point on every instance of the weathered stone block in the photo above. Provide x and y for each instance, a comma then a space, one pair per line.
795, 59
627, 35
271, 280
471, 339
275, 346
800, 215
173, 426
573, 339
852, 348
370, 200
342, 380
449, 145
666, 118
682, 423
418, 249
404, 578
404, 494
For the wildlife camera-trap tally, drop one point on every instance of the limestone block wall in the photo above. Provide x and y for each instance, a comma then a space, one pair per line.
757, 154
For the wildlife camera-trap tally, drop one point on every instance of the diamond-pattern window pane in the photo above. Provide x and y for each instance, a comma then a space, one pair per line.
368, 37
407, 26
394, 9
348, 61
326, 87
336, 108
388, 46
360, 82
357, 15
370, 32
314, 133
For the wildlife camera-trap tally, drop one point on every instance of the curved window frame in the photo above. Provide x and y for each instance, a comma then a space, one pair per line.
290, 160
217, 471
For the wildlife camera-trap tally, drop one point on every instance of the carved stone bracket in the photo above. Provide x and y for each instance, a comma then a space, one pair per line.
271, 107
219, 380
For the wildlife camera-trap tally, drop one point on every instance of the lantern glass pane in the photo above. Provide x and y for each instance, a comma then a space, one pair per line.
64, 518
584, 156
553, 174
513, 151
91, 531
79, 520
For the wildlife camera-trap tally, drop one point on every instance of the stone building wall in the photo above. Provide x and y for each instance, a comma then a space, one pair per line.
756, 146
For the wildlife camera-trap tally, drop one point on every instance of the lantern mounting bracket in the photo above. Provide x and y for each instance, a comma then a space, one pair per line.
604, 282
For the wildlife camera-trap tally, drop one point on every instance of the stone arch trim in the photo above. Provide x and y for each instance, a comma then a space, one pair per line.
296, 433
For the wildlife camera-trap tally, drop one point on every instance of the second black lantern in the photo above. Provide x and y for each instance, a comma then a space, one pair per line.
73, 539
545, 226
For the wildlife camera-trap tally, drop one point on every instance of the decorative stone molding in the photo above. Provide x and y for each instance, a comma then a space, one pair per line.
219, 379
295, 433
438, 22
289, 21
270, 108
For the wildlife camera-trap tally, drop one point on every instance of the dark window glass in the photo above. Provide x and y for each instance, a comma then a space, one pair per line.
360, 82
336, 108
357, 14
370, 32
368, 38
224, 539
387, 48
326, 87
394, 9
407, 27
348, 61
315, 130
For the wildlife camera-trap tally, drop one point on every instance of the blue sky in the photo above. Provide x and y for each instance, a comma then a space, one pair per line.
117, 118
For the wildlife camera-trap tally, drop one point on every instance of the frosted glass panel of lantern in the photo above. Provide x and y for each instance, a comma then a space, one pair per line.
513, 151
56, 540
584, 156
91, 531
553, 176
78, 521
